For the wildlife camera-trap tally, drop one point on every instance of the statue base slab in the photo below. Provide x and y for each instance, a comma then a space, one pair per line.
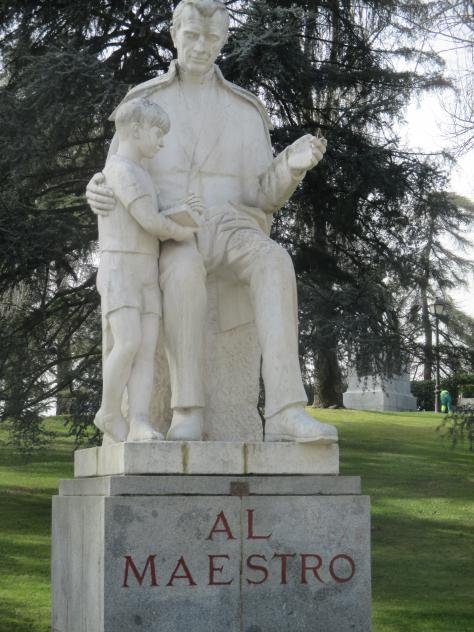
211, 553
207, 457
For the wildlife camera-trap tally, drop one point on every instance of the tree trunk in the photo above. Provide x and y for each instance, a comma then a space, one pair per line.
428, 336
328, 379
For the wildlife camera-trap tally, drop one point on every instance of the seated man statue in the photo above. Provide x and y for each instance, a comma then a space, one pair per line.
219, 149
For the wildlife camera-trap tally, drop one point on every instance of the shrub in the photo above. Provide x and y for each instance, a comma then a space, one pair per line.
467, 390
423, 390
458, 428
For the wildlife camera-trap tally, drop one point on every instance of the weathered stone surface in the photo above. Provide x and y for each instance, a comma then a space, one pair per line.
313, 485
292, 458
205, 563
329, 535
77, 564
196, 457
86, 461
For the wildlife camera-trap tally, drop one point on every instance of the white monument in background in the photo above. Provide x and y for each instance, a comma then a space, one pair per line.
379, 393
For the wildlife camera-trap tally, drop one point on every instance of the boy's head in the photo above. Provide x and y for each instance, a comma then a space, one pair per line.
143, 123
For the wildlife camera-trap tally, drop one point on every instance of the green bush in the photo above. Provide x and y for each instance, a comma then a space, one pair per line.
423, 390
467, 390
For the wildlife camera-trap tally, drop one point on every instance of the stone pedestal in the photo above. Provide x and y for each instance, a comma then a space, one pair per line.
371, 393
201, 457
211, 553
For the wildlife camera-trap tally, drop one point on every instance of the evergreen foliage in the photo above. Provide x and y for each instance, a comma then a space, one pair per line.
458, 428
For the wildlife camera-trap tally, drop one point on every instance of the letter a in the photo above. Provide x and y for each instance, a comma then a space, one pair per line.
186, 573
221, 519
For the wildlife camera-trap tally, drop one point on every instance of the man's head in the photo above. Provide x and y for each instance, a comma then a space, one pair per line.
199, 31
143, 123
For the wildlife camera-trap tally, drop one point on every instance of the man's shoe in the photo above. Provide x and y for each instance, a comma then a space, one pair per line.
186, 425
294, 424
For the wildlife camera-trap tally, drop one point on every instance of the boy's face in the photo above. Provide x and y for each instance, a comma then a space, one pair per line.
148, 139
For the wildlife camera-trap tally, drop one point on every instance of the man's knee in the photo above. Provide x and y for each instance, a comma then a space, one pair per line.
275, 260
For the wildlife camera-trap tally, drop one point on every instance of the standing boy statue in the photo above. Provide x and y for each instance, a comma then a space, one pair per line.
219, 148
127, 279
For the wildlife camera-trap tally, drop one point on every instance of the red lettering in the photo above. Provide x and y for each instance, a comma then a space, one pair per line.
256, 567
251, 535
187, 575
313, 569
225, 527
283, 557
338, 578
217, 569
130, 564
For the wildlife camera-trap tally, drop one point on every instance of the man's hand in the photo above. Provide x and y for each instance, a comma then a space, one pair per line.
305, 153
100, 198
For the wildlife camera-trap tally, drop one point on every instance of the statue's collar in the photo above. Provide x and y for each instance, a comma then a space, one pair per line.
174, 71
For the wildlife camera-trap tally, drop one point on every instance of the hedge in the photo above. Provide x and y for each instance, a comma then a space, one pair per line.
423, 390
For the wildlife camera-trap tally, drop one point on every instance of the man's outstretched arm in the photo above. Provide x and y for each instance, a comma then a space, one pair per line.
280, 180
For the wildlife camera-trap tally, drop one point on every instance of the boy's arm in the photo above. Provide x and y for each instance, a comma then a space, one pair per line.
142, 209
188, 212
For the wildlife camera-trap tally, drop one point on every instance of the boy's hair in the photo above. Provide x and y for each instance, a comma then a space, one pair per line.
207, 8
140, 110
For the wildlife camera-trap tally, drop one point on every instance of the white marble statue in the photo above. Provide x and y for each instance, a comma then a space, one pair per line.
127, 278
219, 149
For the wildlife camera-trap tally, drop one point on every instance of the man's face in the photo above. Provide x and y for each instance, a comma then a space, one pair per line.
198, 40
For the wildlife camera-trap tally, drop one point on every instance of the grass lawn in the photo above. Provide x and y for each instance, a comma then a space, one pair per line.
422, 523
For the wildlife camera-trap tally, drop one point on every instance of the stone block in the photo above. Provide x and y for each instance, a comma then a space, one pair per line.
77, 564
216, 457
166, 563
292, 458
86, 462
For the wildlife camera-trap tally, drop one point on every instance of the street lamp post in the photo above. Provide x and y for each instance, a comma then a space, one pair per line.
437, 309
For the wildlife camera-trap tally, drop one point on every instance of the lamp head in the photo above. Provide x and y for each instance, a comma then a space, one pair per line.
438, 308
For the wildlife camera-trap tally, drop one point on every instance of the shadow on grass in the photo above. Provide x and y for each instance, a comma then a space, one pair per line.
25, 551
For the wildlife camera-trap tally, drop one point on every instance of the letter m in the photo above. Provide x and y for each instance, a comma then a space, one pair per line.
130, 565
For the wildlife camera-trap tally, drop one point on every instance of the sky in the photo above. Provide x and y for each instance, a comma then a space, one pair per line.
426, 121
427, 128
